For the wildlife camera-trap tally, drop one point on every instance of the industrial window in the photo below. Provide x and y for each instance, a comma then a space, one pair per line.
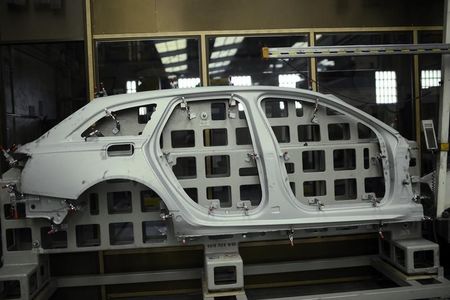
344, 159
150, 201
237, 60
308, 133
121, 233
185, 168
281, 133
87, 235
151, 64
352, 78
345, 189
183, 138
119, 202
313, 161
386, 87
314, 188
340, 131
215, 137
430, 78
217, 166
221, 193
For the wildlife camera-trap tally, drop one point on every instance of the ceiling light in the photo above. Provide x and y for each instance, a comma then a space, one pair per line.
219, 64
223, 53
174, 59
176, 69
170, 46
228, 40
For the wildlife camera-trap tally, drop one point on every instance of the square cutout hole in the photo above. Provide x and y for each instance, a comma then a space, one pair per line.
150, 201
340, 131
183, 138
154, 231
185, 168
54, 240
252, 193
423, 259
215, 137
218, 111
17, 212
121, 233
375, 185
313, 161
282, 133
10, 289
344, 159
222, 193
345, 189
18, 239
314, 188
243, 136
225, 275
217, 166
88, 235
308, 133
119, 202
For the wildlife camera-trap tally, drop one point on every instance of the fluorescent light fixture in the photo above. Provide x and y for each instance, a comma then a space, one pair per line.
223, 53
298, 105
131, 86
227, 40
278, 66
386, 87
174, 45
241, 80
174, 59
219, 64
184, 83
289, 80
176, 69
430, 78
216, 71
